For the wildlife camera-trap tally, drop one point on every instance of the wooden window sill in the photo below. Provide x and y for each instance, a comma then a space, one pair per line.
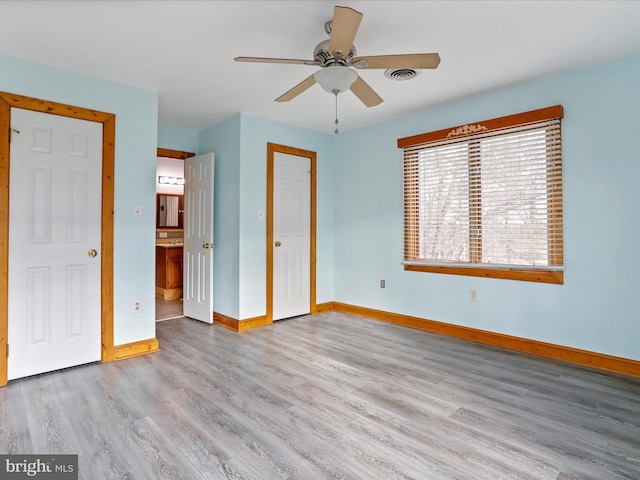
533, 275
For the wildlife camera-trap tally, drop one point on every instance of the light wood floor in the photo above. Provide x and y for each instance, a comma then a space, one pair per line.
167, 309
327, 397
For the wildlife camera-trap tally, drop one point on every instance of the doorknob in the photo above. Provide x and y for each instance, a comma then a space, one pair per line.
206, 245
92, 253
278, 243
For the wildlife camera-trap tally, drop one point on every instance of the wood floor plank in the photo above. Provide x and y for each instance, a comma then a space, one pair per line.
168, 309
50, 427
97, 428
330, 396
15, 436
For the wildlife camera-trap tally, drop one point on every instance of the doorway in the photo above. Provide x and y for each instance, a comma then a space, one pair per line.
291, 216
7, 102
169, 308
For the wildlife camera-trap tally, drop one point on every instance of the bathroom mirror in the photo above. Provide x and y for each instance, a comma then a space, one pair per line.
169, 210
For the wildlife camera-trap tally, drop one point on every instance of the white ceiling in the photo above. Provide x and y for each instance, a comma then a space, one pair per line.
185, 50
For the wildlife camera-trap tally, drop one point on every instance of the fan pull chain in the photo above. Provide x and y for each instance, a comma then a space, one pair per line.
335, 92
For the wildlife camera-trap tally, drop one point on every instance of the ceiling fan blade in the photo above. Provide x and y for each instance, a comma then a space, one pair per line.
344, 27
411, 60
365, 93
276, 60
297, 90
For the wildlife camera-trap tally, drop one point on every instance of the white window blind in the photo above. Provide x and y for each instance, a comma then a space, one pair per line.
486, 197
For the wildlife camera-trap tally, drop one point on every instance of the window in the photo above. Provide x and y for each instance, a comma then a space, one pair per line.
486, 199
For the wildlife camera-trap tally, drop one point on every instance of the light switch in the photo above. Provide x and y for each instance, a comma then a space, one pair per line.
260, 214
137, 211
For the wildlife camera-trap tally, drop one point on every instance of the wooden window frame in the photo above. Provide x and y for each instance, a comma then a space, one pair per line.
550, 274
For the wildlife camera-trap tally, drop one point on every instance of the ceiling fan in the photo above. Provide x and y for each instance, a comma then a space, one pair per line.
337, 57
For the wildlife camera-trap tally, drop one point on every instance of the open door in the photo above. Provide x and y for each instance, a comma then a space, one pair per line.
198, 238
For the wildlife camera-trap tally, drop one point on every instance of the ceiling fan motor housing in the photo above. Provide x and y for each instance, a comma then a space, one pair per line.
321, 54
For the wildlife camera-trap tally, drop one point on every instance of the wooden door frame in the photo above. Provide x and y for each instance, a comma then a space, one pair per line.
108, 121
272, 149
177, 154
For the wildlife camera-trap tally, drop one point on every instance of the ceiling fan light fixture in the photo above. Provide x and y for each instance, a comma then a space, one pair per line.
335, 79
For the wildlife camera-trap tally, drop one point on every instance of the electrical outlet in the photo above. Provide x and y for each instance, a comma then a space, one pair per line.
473, 295
382, 284
163, 235
137, 306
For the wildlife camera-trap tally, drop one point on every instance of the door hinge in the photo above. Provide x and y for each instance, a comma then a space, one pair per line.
7, 350
11, 130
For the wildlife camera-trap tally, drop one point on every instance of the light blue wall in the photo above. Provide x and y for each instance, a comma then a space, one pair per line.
256, 133
136, 113
597, 307
223, 140
178, 138
240, 148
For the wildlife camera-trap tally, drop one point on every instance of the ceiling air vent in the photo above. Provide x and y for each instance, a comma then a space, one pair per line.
400, 74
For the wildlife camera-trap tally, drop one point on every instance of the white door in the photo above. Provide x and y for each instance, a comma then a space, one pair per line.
54, 243
291, 235
197, 289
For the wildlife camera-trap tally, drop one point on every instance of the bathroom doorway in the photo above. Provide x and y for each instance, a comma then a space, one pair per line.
169, 234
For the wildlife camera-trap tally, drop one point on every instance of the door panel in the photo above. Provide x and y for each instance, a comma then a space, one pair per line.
54, 221
198, 238
291, 234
